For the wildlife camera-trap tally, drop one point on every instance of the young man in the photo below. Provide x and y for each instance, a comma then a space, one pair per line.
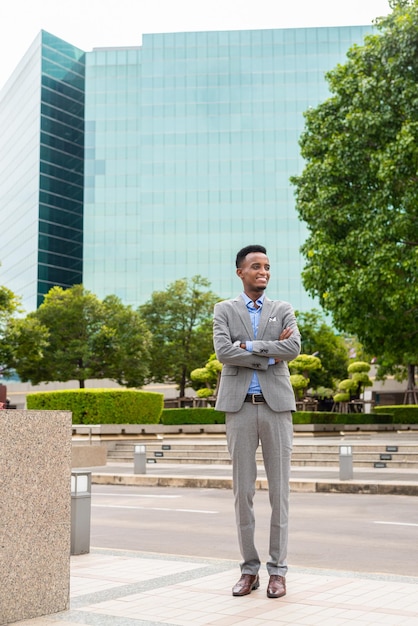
253, 338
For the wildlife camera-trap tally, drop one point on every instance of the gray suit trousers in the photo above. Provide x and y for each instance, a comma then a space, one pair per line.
245, 429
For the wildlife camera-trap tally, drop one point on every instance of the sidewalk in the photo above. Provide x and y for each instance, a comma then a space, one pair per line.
126, 588
118, 588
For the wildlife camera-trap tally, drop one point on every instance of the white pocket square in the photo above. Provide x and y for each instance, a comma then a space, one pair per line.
272, 319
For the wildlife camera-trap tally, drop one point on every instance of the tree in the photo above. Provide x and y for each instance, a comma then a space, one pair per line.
180, 320
75, 336
121, 349
358, 191
206, 379
9, 305
301, 368
321, 340
299, 383
351, 388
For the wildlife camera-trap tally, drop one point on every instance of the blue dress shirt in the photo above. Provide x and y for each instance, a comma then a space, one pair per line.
255, 315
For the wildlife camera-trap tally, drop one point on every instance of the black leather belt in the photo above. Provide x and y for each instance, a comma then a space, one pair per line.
254, 398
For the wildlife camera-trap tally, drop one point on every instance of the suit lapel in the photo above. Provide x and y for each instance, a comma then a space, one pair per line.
243, 314
265, 314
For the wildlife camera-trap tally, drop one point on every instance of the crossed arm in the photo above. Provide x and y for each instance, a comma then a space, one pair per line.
285, 334
232, 350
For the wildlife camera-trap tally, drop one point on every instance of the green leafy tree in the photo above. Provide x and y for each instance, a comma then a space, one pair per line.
206, 379
352, 387
299, 383
358, 191
321, 340
9, 306
27, 340
303, 365
180, 319
121, 348
75, 336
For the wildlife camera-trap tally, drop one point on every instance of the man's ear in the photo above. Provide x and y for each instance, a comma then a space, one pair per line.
239, 272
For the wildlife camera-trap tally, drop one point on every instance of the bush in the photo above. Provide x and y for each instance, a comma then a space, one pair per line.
102, 406
402, 414
326, 417
210, 416
204, 392
199, 415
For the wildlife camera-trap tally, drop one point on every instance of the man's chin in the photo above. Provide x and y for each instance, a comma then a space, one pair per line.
260, 288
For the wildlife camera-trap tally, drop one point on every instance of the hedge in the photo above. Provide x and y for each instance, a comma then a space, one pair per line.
402, 413
208, 415
102, 406
198, 415
326, 417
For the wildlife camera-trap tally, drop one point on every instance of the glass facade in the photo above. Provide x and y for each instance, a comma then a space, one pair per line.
187, 144
19, 177
61, 176
190, 143
42, 170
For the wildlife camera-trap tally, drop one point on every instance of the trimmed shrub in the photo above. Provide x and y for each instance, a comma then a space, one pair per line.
198, 415
102, 406
208, 415
326, 417
402, 414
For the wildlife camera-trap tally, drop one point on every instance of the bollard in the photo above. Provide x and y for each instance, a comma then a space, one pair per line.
140, 461
80, 511
346, 463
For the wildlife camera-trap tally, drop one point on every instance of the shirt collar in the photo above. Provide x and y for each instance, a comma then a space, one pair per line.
248, 300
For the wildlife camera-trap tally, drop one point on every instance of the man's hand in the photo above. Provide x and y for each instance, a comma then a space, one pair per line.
285, 334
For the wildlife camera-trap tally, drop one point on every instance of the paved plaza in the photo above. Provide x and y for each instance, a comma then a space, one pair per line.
126, 588
118, 588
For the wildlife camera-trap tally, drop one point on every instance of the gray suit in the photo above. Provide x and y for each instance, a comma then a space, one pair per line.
247, 424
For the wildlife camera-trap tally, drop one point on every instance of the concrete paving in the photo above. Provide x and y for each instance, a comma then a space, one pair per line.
118, 588
124, 588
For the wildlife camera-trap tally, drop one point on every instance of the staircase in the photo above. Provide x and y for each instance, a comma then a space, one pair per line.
365, 454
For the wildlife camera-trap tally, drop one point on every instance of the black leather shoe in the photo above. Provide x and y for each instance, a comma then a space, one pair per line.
246, 584
276, 587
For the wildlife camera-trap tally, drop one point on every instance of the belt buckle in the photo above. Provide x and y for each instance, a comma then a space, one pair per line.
254, 396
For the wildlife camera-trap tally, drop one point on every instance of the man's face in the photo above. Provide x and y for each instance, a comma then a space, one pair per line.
254, 272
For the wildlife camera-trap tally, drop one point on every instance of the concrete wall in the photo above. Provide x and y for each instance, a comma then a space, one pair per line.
35, 513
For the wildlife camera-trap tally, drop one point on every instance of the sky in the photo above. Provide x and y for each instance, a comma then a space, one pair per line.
90, 24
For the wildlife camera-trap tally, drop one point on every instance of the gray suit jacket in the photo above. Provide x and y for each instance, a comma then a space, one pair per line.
232, 323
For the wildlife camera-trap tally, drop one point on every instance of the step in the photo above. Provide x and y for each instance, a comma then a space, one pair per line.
326, 454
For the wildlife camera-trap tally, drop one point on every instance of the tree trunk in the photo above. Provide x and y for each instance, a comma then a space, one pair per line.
182, 386
81, 383
411, 390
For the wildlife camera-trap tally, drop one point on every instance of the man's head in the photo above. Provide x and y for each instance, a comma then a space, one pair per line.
247, 250
253, 267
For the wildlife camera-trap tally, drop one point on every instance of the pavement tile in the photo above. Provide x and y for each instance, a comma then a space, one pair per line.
121, 588
126, 588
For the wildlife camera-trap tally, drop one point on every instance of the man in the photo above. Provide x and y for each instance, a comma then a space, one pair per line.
253, 338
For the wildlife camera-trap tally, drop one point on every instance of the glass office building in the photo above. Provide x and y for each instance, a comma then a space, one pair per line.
189, 143
42, 170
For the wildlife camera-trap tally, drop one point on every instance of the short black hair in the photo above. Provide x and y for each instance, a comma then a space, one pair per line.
247, 250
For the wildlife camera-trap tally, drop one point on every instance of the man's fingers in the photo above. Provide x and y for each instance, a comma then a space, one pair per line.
286, 333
